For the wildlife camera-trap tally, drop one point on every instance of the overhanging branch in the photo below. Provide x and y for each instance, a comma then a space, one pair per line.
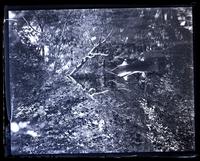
90, 55
30, 25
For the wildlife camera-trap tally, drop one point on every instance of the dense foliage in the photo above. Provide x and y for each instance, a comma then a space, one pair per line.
65, 82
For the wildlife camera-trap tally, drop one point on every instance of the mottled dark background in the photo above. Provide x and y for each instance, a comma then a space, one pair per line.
101, 80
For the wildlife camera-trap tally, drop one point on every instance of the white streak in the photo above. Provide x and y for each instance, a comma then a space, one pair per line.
125, 78
32, 133
46, 50
14, 127
23, 124
11, 15
156, 15
100, 54
124, 63
124, 74
100, 92
121, 29
93, 38
101, 124
143, 74
95, 122
33, 39
165, 17
81, 114
183, 23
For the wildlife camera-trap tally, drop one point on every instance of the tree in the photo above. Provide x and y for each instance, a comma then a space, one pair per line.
112, 76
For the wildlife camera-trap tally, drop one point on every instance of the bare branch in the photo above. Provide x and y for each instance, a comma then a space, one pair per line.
73, 80
30, 25
10, 19
110, 72
102, 92
90, 55
84, 60
79, 65
83, 89
91, 42
124, 74
114, 68
99, 54
128, 90
106, 37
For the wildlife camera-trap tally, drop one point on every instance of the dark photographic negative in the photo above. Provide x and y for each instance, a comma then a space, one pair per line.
101, 80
